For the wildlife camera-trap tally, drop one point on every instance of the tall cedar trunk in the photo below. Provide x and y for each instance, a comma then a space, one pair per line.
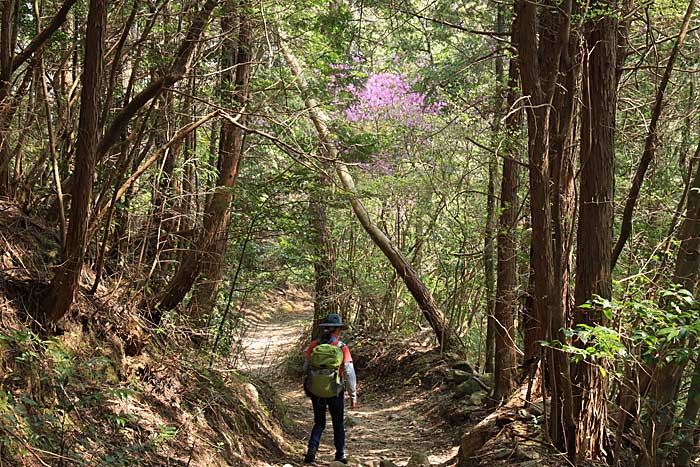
491, 218
666, 377
506, 298
326, 277
443, 332
594, 245
489, 272
230, 141
66, 280
539, 64
562, 156
217, 212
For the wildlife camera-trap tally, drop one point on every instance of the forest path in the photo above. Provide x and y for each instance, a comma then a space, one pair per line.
387, 425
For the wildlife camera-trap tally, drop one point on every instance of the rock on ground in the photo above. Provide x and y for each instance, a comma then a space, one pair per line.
418, 459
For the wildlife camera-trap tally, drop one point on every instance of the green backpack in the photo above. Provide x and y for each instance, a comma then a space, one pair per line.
323, 379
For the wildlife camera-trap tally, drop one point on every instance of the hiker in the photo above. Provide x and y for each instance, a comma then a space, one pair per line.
329, 372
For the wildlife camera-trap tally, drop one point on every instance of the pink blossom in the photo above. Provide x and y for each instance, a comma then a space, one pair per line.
389, 96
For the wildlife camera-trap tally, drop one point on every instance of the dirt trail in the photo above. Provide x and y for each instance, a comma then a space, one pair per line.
388, 425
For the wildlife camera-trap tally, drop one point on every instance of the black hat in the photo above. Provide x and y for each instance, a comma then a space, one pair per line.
333, 320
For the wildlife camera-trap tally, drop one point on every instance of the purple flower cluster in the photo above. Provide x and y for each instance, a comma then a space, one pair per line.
388, 96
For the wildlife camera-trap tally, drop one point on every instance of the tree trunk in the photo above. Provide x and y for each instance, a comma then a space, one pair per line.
66, 280
506, 298
539, 65
489, 272
594, 246
562, 130
205, 292
217, 213
491, 218
443, 332
326, 277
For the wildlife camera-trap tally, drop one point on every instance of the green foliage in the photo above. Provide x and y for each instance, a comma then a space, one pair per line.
655, 331
48, 391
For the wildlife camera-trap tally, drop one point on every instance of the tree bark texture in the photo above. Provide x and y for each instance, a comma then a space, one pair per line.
66, 280
430, 309
594, 245
506, 296
538, 62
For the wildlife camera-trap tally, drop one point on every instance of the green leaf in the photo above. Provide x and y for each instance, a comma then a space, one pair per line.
608, 313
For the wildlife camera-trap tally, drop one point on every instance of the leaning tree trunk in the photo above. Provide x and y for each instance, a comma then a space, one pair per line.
443, 332
217, 211
230, 145
66, 280
595, 225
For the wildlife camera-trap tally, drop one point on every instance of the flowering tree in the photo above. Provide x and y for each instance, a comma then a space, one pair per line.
388, 96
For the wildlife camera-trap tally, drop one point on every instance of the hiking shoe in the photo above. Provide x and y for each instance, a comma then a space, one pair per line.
310, 456
342, 460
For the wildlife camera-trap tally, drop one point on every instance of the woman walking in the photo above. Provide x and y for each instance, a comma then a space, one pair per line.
329, 373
